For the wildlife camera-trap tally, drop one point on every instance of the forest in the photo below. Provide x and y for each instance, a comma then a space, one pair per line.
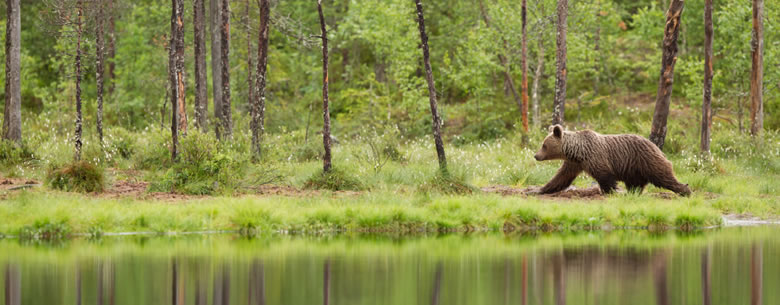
392, 114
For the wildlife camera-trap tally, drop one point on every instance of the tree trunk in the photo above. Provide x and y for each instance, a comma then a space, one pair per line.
597, 50
757, 74
78, 141
258, 104
326, 162
201, 79
431, 89
176, 68
249, 61
224, 44
538, 74
706, 105
510, 83
12, 114
524, 60
664, 95
99, 67
559, 104
216, 63
111, 46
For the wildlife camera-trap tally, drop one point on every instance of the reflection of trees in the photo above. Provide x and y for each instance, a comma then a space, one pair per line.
706, 275
436, 285
559, 279
756, 278
326, 283
257, 283
13, 285
659, 279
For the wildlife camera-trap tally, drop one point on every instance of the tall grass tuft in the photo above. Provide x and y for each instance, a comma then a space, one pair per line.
80, 176
335, 180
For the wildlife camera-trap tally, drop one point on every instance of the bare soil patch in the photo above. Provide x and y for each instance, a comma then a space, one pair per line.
570, 193
17, 183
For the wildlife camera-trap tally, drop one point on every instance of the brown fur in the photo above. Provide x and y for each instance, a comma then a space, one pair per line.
608, 159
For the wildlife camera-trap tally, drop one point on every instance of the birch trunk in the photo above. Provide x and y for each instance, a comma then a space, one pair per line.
706, 105
201, 79
227, 121
559, 104
757, 73
258, 104
78, 142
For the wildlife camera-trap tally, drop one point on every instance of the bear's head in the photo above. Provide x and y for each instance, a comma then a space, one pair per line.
552, 147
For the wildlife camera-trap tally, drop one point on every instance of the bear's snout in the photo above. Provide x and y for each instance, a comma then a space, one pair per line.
538, 157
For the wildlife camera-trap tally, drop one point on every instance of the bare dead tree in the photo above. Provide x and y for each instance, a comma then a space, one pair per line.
706, 105
559, 104
431, 90
757, 74
326, 159
258, 102
12, 114
201, 79
665, 82
224, 44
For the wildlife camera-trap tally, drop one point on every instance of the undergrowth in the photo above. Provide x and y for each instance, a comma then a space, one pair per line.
80, 176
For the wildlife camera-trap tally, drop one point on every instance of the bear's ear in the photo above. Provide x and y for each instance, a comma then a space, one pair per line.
557, 131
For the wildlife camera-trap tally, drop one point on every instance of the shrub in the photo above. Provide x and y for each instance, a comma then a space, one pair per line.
79, 176
12, 153
152, 150
334, 180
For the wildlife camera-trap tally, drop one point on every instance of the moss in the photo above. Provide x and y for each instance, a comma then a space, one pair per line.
80, 176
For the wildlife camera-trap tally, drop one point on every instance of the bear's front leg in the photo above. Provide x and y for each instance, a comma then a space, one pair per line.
565, 176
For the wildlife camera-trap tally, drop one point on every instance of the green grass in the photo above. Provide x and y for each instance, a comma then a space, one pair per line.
80, 176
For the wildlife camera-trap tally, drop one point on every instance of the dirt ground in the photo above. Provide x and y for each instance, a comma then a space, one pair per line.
570, 193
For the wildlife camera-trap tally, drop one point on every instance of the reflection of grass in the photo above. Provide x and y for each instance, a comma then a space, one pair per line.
372, 211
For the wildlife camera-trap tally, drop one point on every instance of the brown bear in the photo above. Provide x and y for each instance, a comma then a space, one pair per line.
608, 159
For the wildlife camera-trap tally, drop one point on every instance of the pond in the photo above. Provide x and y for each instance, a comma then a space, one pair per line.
738, 265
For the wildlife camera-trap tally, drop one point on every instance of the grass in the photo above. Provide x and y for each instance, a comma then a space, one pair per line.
80, 176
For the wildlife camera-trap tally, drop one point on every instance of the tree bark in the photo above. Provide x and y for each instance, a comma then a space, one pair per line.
258, 104
249, 61
559, 104
224, 44
706, 105
12, 114
524, 61
538, 74
504, 62
201, 79
757, 73
176, 68
78, 142
216, 63
431, 90
326, 160
666, 80
99, 66
111, 46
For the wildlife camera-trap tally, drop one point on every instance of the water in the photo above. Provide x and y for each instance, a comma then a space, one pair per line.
726, 266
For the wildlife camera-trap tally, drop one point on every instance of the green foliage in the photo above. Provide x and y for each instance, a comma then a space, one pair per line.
448, 183
44, 230
335, 180
13, 153
80, 176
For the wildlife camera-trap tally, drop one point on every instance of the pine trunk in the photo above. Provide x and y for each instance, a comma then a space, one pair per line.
258, 105
249, 61
706, 106
77, 137
559, 104
216, 63
12, 114
524, 63
201, 79
757, 73
224, 44
176, 68
99, 67
664, 95
431, 89
326, 160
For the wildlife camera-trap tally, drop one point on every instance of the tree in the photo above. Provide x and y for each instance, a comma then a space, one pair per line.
506, 70
258, 102
77, 138
249, 63
431, 90
539, 65
224, 44
706, 105
559, 104
216, 62
176, 75
757, 73
99, 66
201, 79
12, 114
111, 45
326, 162
664, 95
524, 60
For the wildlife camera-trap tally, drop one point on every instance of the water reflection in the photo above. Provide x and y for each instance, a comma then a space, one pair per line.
725, 267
